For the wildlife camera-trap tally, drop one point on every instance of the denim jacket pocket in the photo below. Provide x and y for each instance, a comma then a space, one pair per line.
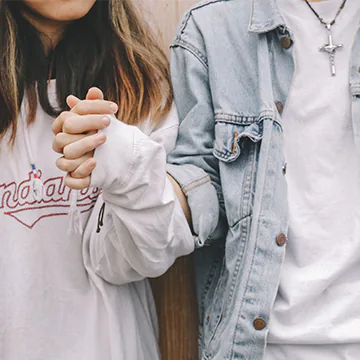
229, 138
237, 147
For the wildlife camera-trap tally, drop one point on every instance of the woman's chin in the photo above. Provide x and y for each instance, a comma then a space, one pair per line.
60, 10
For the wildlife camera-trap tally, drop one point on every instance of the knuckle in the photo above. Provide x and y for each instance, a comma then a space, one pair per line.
54, 146
68, 152
59, 140
78, 174
57, 148
59, 121
67, 125
67, 166
59, 163
63, 116
55, 125
64, 165
81, 107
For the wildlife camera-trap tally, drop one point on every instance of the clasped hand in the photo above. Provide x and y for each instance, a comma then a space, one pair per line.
77, 136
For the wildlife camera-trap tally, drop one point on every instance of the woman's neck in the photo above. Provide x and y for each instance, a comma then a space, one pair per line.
52, 31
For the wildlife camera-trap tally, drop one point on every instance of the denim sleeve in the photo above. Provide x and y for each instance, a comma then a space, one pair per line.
192, 162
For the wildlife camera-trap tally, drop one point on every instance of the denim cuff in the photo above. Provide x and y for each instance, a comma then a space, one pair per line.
202, 199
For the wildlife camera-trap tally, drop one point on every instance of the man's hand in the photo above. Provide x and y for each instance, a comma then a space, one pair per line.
77, 136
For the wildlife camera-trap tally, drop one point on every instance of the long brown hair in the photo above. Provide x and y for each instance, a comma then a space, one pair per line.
111, 47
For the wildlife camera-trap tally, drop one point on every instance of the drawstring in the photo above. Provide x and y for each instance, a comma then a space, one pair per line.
37, 186
100, 222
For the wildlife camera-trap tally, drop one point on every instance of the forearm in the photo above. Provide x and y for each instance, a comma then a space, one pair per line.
133, 245
144, 228
182, 199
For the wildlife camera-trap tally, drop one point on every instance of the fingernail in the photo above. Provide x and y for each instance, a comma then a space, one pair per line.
91, 163
101, 136
105, 121
114, 108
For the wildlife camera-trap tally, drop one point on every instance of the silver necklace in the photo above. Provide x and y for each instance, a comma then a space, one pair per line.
330, 47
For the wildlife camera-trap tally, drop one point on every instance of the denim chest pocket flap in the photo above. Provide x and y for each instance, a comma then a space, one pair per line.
231, 135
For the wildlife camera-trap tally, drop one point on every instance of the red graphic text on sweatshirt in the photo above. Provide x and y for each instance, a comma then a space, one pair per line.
16, 200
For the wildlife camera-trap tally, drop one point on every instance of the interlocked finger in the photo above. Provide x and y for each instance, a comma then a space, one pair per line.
77, 184
81, 147
84, 170
95, 107
82, 124
62, 139
70, 165
59, 121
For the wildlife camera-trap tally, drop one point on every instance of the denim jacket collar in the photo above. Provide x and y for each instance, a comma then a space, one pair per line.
265, 16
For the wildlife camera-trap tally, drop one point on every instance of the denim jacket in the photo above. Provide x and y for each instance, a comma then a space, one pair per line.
232, 67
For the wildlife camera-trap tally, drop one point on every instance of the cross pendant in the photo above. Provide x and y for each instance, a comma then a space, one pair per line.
331, 48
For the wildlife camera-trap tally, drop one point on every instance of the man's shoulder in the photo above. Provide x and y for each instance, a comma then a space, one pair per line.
214, 18
207, 6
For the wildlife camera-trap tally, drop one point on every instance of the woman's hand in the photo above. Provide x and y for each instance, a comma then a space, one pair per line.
77, 136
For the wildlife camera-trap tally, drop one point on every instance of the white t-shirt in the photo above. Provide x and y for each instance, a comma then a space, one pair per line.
83, 297
316, 315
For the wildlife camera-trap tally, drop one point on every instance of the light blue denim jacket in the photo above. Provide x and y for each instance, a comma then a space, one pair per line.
232, 66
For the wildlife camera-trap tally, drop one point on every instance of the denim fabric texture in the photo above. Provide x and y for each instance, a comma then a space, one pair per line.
232, 66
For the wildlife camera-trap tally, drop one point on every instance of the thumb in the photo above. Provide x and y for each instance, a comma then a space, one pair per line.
95, 93
72, 100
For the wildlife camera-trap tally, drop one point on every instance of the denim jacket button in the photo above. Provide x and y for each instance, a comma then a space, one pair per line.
285, 42
279, 106
284, 168
259, 324
281, 239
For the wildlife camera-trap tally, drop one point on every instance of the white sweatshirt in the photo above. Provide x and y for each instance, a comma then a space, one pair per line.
84, 297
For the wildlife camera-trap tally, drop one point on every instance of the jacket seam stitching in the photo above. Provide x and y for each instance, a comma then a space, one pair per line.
192, 49
132, 164
195, 183
194, 8
246, 288
236, 118
196, 186
199, 179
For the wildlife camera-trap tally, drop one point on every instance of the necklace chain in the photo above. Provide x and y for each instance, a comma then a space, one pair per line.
321, 19
330, 47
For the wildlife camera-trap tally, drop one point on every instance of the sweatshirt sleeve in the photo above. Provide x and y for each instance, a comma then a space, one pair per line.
144, 228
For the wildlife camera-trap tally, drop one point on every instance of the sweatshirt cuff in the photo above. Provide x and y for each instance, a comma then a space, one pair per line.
115, 157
